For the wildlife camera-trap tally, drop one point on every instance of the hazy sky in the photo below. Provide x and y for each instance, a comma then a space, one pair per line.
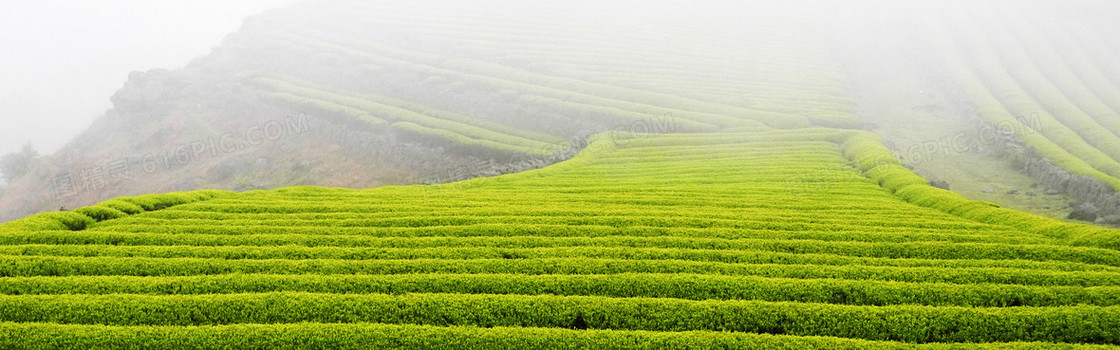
62, 59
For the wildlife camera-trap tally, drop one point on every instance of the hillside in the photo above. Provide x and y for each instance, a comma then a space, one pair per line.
362, 95
686, 241
347, 174
1009, 103
1005, 103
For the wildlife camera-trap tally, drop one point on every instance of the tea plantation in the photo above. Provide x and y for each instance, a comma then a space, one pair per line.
802, 239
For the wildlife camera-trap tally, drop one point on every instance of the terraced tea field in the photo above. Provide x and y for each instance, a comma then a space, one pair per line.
731, 196
382, 73
1048, 84
754, 239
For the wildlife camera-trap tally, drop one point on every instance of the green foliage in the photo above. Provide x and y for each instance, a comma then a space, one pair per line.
51, 221
82, 218
882, 167
622, 285
19, 266
399, 111
122, 206
893, 323
339, 112
680, 248
763, 238
101, 213
383, 336
998, 101
745, 236
459, 143
506, 78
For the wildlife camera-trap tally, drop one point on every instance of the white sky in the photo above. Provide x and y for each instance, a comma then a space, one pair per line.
61, 60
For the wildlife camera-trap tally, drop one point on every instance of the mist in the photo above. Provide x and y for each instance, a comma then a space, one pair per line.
385, 93
560, 174
63, 59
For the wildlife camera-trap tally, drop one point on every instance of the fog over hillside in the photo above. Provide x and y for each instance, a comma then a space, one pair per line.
62, 59
556, 175
379, 93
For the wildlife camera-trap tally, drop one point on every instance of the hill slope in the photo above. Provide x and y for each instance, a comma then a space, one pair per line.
359, 95
727, 200
773, 238
1009, 103
351, 94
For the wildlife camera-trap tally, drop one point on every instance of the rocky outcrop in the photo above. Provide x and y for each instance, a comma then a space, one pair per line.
1084, 188
146, 92
940, 184
1097, 200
